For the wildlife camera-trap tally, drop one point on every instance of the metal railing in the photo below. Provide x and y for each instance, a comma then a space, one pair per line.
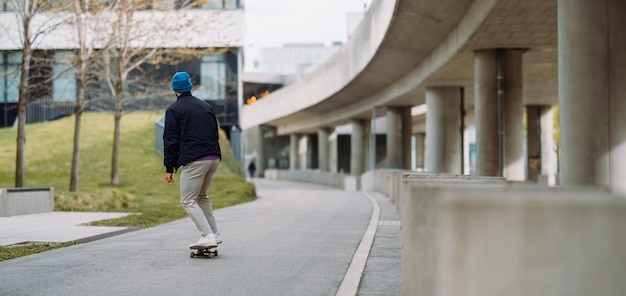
39, 111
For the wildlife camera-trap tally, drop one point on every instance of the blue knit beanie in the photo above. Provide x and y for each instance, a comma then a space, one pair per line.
181, 82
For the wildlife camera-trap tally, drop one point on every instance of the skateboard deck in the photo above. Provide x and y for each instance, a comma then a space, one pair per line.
201, 251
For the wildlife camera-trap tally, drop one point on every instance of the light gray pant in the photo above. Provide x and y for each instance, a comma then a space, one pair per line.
195, 178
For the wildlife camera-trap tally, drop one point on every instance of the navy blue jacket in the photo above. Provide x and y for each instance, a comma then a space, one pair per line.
191, 132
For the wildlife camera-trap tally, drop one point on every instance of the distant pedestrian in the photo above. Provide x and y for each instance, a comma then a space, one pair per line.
251, 169
191, 142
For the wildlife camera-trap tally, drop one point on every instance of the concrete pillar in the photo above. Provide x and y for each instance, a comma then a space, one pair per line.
513, 116
420, 148
592, 92
333, 152
370, 147
541, 157
294, 142
307, 152
322, 149
548, 153
264, 133
254, 149
357, 143
533, 142
407, 132
394, 125
486, 113
443, 120
499, 113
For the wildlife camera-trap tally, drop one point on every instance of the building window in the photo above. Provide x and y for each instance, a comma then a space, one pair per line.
213, 77
10, 76
209, 4
64, 84
221, 4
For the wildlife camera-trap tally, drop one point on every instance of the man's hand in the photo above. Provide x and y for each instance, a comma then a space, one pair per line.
169, 178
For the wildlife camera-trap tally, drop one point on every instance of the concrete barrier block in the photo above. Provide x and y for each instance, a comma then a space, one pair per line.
271, 174
23, 201
3, 202
513, 239
367, 181
382, 181
352, 183
408, 179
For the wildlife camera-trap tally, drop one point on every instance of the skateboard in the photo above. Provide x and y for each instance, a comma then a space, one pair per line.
201, 251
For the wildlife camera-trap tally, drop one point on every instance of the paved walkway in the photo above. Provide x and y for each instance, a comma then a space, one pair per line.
296, 239
57, 227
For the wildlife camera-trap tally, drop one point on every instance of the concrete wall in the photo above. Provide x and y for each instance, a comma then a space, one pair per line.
512, 239
395, 183
330, 179
23, 201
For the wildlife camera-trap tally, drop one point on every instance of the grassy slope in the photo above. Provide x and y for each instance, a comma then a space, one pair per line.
142, 187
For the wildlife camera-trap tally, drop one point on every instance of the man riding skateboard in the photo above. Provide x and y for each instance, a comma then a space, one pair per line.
191, 143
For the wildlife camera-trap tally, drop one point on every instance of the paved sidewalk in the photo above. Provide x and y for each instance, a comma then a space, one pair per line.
296, 239
57, 227
383, 272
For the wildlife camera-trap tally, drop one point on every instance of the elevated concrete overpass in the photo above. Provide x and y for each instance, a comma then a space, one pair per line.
402, 47
496, 60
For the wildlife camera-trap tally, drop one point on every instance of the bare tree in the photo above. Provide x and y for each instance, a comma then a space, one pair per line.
88, 17
119, 61
26, 12
81, 63
136, 43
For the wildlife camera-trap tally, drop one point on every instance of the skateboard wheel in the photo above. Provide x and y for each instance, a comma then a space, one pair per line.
216, 252
192, 254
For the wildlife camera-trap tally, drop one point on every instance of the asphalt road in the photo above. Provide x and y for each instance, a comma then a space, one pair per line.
296, 239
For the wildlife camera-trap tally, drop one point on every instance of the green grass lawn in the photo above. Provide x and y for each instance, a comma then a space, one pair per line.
142, 186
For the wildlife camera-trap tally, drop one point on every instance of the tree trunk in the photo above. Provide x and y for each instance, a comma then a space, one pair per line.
21, 107
78, 113
115, 179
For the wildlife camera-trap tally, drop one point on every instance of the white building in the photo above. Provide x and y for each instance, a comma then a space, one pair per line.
214, 29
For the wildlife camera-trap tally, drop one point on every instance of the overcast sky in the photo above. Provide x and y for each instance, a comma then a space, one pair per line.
271, 23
